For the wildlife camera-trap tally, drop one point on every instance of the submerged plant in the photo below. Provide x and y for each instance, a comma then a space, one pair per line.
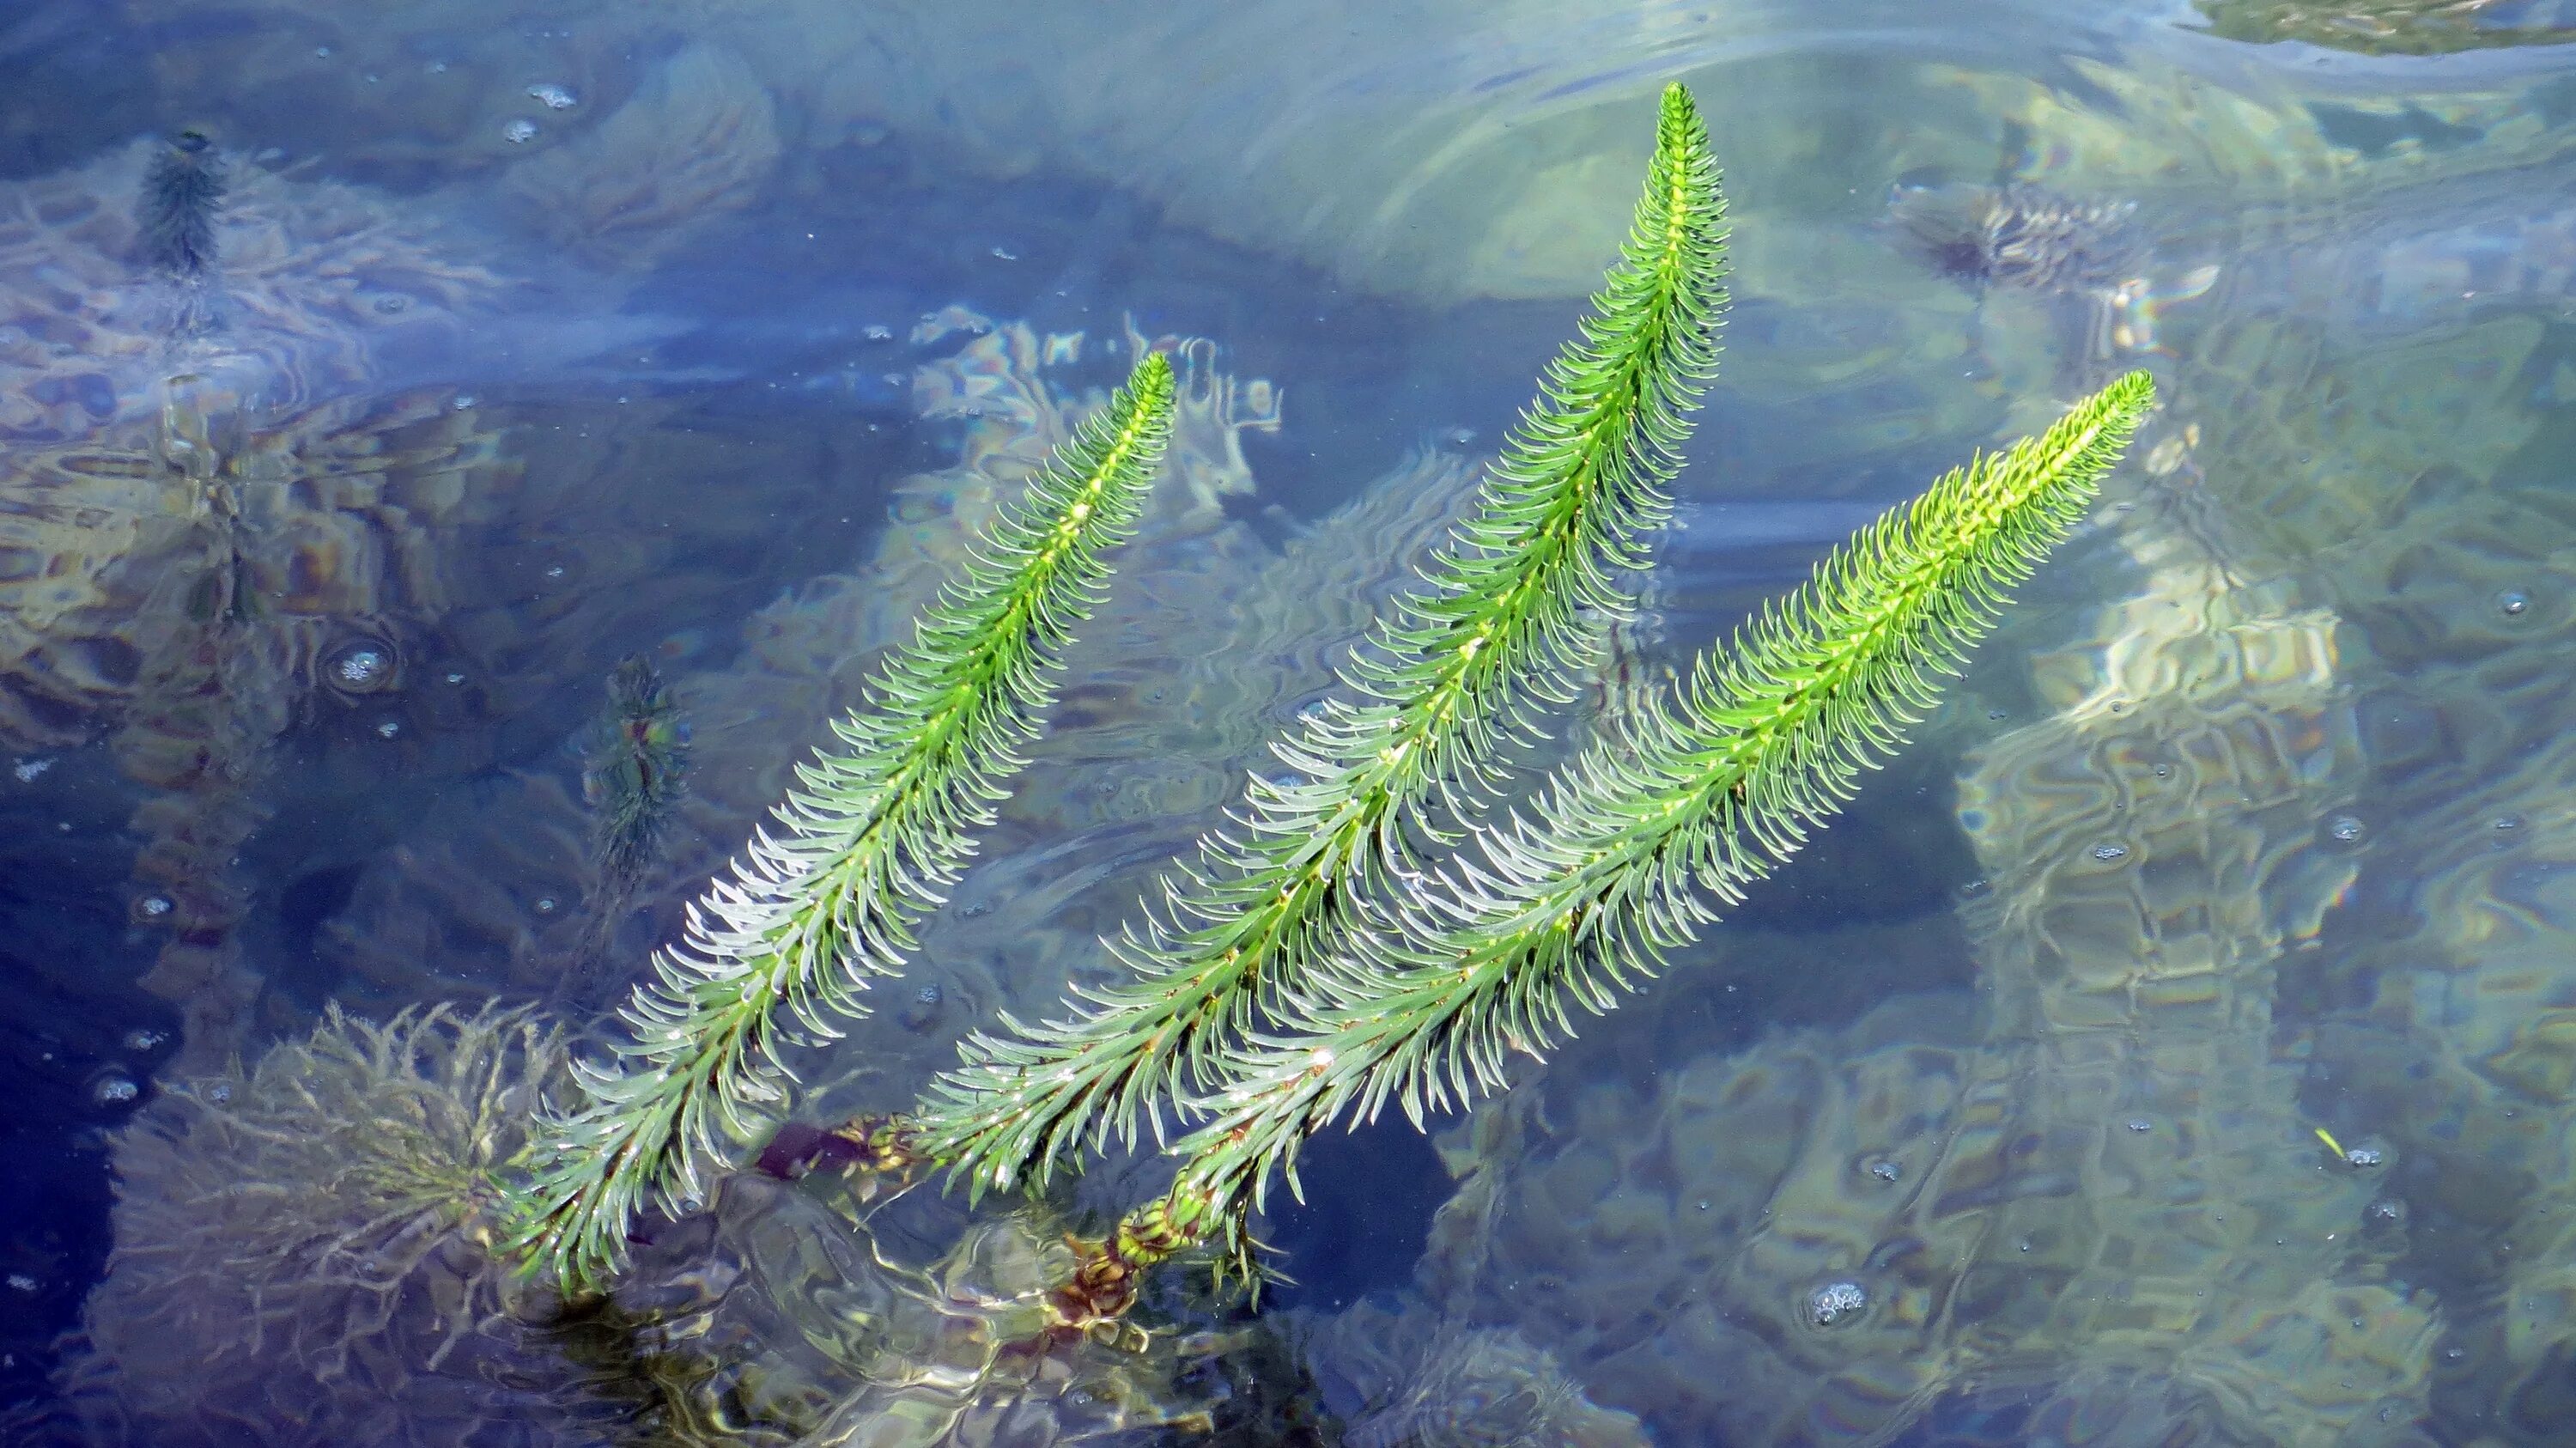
634, 769
301, 1249
1509, 619
181, 196
861, 849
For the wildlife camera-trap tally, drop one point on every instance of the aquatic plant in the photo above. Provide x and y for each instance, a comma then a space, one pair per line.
1508, 620
1313, 968
634, 770
861, 850
181, 195
301, 1248
1615, 865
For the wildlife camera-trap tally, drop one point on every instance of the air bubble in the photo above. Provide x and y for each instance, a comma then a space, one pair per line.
27, 770
553, 97
21, 1282
2345, 829
2513, 603
144, 1038
519, 132
1886, 1171
389, 729
362, 668
928, 995
2108, 853
2364, 1156
114, 1090
2140, 1123
463, 401
154, 906
546, 906
1836, 1303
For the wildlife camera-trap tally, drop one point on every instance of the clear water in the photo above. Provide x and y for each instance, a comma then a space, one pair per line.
2177, 1044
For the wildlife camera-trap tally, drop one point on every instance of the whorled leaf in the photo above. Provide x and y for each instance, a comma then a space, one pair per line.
1505, 622
860, 850
1630, 850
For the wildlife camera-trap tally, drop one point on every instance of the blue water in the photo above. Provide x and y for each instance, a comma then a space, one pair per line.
549, 335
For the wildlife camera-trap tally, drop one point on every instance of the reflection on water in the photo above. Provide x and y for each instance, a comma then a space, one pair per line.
2233, 1101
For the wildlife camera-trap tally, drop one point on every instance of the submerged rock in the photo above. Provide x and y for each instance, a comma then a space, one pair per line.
1403, 1378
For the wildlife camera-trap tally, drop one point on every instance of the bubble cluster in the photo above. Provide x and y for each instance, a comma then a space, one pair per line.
362, 666
1836, 1303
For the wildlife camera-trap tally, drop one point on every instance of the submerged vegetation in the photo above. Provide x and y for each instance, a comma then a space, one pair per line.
181, 195
634, 770
1322, 961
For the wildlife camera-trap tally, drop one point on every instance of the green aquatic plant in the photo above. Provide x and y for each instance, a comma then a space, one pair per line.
1509, 619
862, 847
1619, 861
1314, 968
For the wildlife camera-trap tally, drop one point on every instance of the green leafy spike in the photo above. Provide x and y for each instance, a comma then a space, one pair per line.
1442, 681
1629, 845
860, 850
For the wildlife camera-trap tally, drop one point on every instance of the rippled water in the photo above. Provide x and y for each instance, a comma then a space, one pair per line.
2177, 1044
